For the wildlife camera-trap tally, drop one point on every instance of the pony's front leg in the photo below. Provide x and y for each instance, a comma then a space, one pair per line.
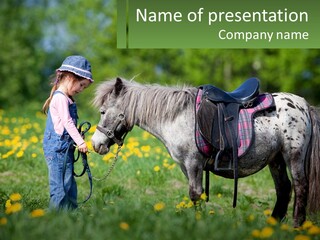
195, 175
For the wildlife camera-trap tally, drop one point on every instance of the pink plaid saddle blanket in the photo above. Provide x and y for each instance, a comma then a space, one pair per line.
245, 124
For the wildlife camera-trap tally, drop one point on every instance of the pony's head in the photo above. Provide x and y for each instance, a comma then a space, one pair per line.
113, 124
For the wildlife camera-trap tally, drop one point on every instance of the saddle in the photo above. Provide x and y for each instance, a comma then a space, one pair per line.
217, 119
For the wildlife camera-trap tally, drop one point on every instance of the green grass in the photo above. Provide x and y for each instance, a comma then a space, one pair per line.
145, 197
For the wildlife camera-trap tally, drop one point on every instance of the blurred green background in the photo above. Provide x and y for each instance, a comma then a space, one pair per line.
36, 36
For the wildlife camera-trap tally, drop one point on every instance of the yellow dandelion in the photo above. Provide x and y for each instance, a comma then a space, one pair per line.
190, 204
23, 130
124, 226
159, 206
16, 140
166, 165
19, 154
145, 148
146, 135
34, 139
137, 152
284, 227
37, 126
272, 221
114, 151
93, 129
3, 221
203, 196
156, 168
15, 207
34, 155
266, 232
16, 130
307, 224
15, 197
37, 213
108, 157
267, 212
124, 158
211, 212
314, 230
127, 154
219, 195
172, 166
251, 218
132, 143
181, 205
89, 145
185, 198
255, 233
158, 150
5, 131
301, 237
8, 203
8, 154
7, 143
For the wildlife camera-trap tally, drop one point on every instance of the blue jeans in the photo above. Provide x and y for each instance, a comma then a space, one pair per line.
63, 187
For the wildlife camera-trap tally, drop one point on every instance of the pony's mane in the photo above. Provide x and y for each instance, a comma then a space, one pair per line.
152, 101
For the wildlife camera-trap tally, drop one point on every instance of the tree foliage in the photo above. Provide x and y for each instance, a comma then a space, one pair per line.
37, 35
20, 56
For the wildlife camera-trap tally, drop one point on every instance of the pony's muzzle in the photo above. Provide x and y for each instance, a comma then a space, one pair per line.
101, 149
100, 144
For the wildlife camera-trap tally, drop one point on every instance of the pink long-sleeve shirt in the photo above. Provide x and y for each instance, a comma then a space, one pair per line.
61, 119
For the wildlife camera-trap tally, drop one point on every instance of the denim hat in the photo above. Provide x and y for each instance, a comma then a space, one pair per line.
78, 65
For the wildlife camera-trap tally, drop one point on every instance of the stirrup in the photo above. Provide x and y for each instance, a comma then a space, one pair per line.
217, 161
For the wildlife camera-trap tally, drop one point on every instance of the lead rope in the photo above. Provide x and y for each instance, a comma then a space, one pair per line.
112, 165
86, 168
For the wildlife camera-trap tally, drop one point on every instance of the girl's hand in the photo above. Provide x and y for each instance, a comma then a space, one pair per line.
83, 148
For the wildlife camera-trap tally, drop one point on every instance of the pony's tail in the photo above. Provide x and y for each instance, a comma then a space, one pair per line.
313, 166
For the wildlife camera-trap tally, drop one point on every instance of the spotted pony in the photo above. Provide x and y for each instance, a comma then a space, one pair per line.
286, 138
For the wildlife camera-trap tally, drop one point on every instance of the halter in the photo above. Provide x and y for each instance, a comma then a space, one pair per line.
109, 131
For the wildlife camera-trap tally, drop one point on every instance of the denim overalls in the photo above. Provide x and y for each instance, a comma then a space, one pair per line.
60, 157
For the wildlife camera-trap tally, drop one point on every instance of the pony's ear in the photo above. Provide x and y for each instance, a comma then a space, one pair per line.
118, 86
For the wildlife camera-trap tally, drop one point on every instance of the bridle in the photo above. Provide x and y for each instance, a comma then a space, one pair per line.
119, 123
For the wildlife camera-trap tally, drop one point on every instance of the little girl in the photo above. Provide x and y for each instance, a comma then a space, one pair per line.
61, 132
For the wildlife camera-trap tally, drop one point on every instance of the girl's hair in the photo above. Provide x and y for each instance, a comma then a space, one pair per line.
55, 82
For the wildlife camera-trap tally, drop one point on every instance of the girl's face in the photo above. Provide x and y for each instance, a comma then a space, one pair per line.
77, 86
71, 85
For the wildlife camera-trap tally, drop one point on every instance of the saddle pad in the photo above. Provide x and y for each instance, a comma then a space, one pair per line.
245, 124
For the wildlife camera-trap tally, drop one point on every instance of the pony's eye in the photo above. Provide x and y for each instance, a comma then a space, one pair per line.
102, 112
